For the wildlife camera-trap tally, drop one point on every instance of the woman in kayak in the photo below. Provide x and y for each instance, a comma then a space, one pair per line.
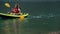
16, 9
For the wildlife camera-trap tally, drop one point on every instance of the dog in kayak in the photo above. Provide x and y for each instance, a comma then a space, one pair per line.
16, 10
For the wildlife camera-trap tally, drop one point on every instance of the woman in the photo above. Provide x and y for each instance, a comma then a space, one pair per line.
16, 9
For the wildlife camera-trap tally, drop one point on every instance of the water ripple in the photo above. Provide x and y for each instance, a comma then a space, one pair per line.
43, 16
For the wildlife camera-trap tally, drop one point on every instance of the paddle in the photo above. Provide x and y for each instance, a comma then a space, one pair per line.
21, 17
7, 5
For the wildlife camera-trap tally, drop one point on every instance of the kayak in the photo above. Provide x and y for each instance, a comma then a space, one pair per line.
12, 15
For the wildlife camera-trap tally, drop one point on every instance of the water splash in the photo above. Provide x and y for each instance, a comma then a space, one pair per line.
42, 16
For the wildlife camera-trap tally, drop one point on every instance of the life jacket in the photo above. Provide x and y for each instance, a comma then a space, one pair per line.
15, 10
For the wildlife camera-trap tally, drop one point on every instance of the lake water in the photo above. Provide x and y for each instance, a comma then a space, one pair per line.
44, 18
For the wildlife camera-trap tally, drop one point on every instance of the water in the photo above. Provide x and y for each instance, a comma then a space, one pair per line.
44, 18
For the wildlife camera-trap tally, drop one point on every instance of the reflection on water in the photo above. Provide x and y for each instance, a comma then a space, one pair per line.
13, 26
6, 27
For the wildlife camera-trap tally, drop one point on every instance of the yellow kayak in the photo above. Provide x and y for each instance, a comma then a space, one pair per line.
12, 15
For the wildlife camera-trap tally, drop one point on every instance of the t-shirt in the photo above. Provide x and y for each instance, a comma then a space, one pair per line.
15, 10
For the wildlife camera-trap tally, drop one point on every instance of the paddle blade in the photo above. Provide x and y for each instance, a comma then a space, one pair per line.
21, 17
7, 5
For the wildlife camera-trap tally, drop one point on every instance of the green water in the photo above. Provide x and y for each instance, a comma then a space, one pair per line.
29, 26
44, 18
